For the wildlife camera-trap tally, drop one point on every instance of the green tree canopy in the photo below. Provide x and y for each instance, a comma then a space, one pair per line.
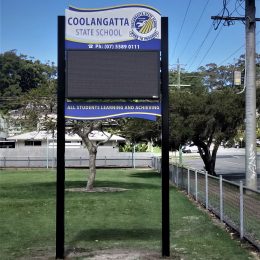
19, 74
140, 130
205, 119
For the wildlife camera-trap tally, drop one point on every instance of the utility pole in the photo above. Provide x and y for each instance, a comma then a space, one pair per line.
250, 83
179, 74
251, 174
179, 85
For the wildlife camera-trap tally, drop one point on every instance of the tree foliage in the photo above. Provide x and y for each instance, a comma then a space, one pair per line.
19, 74
140, 130
38, 107
207, 115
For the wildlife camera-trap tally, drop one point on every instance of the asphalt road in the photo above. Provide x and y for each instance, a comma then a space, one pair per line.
230, 163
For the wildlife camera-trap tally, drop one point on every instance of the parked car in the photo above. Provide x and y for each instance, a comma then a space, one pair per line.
191, 148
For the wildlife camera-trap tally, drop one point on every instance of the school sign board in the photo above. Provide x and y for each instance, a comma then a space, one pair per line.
125, 27
114, 41
113, 52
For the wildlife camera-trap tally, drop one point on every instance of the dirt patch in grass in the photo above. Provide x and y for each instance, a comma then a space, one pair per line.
106, 254
97, 189
115, 254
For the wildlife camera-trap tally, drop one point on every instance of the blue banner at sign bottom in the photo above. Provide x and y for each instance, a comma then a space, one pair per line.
100, 111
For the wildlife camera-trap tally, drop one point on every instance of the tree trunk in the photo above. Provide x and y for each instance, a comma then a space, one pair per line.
208, 158
210, 165
92, 168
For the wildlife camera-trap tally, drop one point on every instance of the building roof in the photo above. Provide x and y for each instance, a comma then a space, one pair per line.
43, 135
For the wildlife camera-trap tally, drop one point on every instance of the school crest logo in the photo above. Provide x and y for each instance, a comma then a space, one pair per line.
144, 26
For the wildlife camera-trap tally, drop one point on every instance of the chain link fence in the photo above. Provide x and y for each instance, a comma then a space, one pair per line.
234, 204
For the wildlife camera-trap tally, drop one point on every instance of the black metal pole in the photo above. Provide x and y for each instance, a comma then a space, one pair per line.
60, 185
165, 140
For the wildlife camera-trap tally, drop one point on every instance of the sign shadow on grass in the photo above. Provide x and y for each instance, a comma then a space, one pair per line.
118, 234
125, 185
144, 175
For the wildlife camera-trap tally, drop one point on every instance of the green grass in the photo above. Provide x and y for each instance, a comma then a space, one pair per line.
129, 219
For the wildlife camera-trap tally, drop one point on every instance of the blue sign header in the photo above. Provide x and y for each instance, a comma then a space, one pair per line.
99, 111
124, 27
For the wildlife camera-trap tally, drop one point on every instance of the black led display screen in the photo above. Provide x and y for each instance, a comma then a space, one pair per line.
112, 74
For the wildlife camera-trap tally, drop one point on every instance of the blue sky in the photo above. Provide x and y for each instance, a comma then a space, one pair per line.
30, 27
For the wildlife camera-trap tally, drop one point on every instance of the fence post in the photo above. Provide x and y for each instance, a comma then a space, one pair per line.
221, 198
160, 165
206, 190
177, 176
47, 153
188, 181
4, 161
105, 161
196, 185
28, 162
241, 205
171, 173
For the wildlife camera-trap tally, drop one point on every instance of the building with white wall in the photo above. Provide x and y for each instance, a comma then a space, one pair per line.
43, 139
39, 149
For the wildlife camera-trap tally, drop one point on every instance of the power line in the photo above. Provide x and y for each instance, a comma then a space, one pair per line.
194, 57
207, 52
235, 52
199, 48
221, 14
214, 40
195, 27
178, 38
238, 5
231, 55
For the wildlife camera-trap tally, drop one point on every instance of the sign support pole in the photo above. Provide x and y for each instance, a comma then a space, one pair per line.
165, 140
60, 183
